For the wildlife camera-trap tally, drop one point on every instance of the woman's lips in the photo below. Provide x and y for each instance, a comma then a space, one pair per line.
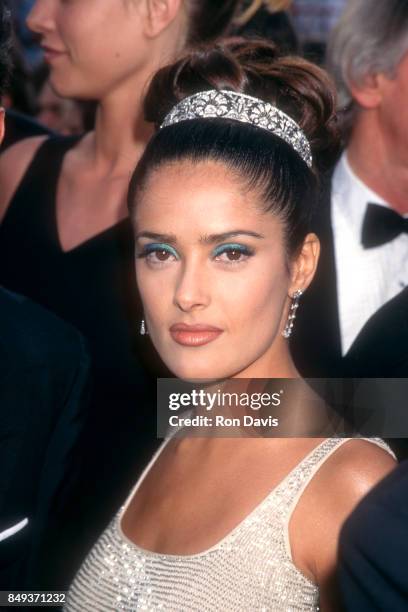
194, 335
52, 54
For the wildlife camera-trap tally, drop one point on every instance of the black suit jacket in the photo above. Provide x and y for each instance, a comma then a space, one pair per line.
43, 374
379, 351
373, 566
381, 347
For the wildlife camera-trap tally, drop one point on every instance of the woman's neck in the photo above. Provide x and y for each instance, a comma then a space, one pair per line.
121, 133
275, 363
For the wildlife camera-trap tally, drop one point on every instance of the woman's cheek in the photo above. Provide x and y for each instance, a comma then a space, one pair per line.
157, 290
246, 290
258, 304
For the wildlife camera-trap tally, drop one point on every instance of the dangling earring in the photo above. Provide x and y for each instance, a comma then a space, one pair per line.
287, 332
143, 328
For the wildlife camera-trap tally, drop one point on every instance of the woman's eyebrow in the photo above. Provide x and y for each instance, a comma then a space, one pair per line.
168, 238
214, 238
207, 239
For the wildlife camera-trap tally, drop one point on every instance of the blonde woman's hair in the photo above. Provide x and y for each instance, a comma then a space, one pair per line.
273, 6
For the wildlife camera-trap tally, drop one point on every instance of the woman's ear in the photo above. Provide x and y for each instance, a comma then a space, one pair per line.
160, 14
304, 266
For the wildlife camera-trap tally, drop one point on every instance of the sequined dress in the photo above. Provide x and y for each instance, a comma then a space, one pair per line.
249, 570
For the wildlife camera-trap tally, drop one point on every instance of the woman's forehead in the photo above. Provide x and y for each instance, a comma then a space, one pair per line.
208, 182
202, 199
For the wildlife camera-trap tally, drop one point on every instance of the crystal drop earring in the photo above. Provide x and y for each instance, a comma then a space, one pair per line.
287, 332
143, 328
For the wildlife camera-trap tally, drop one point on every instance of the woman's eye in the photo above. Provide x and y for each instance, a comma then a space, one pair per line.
232, 254
158, 254
161, 255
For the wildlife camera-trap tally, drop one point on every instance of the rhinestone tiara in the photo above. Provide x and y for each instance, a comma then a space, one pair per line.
227, 104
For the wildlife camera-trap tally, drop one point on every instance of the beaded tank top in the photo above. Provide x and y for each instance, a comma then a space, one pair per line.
251, 569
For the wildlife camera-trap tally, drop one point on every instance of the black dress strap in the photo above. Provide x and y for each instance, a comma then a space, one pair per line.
48, 159
27, 233
33, 203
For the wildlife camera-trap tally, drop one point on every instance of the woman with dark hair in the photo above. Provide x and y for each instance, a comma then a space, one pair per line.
220, 204
66, 239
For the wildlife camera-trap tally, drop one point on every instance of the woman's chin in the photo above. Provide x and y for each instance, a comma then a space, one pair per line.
203, 380
198, 374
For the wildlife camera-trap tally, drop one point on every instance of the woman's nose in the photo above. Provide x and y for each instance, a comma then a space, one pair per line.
41, 17
193, 288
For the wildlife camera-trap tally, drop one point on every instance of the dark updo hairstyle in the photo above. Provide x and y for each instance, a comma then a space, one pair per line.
266, 163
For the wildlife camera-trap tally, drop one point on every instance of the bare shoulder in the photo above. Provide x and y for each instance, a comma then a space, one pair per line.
346, 476
13, 165
353, 470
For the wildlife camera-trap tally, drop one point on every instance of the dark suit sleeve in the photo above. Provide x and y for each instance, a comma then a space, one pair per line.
43, 391
60, 469
373, 562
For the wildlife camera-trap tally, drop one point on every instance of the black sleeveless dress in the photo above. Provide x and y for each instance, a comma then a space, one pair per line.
93, 287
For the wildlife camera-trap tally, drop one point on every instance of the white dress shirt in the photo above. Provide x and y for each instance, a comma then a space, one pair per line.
366, 278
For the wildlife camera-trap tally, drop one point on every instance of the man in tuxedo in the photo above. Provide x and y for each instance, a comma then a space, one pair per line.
346, 322
373, 549
43, 374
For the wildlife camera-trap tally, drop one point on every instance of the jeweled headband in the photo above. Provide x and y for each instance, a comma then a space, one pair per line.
246, 109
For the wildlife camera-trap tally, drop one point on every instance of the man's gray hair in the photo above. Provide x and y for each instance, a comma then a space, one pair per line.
371, 37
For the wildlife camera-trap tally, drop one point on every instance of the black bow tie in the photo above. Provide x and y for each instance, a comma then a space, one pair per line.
381, 225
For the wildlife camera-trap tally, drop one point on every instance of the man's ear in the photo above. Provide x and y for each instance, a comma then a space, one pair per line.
305, 264
368, 93
2, 117
160, 14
